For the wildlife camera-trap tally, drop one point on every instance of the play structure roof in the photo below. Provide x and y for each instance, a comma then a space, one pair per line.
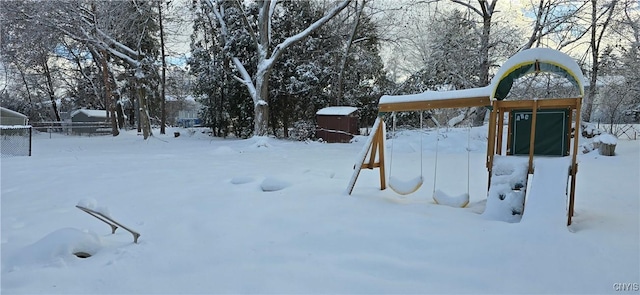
522, 63
534, 60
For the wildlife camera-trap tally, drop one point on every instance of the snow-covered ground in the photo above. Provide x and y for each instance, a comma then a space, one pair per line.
208, 226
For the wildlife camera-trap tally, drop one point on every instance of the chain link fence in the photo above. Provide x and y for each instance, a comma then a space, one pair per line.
15, 141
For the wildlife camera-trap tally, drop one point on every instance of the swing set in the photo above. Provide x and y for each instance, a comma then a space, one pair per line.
405, 187
537, 112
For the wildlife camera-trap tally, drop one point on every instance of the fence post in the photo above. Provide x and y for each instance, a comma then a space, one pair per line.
30, 135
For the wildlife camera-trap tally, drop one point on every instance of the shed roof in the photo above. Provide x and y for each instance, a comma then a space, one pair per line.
91, 113
11, 113
336, 111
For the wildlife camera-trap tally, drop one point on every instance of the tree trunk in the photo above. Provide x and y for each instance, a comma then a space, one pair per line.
120, 115
596, 39
261, 107
607, 149
163, 112
144, 113
52, 96
587, 102
107, 95
345, 55
487, 13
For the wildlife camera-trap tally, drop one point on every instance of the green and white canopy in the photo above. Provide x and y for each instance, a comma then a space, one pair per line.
532, 61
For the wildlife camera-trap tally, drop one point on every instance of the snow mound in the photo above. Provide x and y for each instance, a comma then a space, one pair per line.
442, 198
505, 200
55, 249
320, 173
224, 150
271, 184
606, 138
504, 204
261, 142
241, 179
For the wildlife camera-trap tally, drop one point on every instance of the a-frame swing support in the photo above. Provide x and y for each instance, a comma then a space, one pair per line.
373, 146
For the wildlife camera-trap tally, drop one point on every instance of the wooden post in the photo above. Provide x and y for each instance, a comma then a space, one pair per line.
570, 119
381, 140
574, 164
491, 140
509, 133
500, 123
532, 139
30, 139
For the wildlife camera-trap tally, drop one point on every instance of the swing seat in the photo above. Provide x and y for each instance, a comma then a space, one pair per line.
405, 187
442, 198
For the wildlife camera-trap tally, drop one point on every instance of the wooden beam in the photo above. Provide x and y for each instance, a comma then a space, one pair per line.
508, 105
532, 138
434, 104
574, 164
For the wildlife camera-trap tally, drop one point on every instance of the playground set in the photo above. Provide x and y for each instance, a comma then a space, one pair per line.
553, 154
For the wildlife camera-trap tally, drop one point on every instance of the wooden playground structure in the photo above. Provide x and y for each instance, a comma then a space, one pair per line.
526, 118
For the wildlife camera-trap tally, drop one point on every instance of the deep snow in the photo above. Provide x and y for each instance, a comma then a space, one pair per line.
271, 216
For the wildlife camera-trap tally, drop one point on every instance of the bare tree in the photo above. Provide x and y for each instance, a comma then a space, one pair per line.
268, 54
345, 54
601, 16
86, 23
485, 9
554, 18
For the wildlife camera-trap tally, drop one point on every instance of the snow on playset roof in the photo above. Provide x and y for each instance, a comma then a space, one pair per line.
522, 63
533, 60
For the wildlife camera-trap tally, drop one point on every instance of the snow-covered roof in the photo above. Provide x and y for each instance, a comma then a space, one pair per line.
337, 111
12, 113
519, 64
176, 98
91, 113
554, 60
437, 95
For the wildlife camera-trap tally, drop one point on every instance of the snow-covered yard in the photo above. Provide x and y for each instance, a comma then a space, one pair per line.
207, 226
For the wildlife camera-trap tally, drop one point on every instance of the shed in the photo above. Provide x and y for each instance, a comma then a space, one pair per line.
89, 121
9, 117
337, 124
